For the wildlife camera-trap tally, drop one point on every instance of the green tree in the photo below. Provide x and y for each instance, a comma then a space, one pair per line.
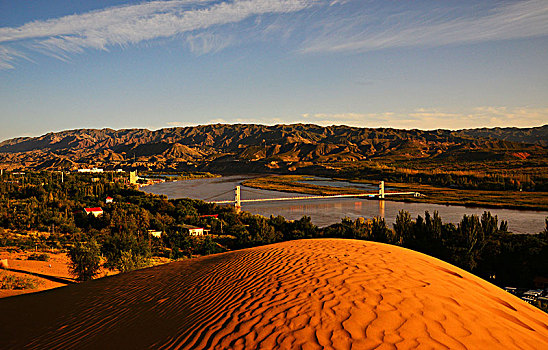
85, 260
503, 226
472, 240
379, 231
130, 261
403, 228
115, 245
489, 224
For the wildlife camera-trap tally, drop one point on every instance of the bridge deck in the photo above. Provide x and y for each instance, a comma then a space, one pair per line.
370, 195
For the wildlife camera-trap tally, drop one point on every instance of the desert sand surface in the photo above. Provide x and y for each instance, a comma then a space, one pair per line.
306, 294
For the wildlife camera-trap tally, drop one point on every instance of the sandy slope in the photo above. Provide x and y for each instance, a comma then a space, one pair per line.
308, 294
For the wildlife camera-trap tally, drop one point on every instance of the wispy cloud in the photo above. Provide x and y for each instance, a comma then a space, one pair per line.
9, 55
420, 118
203, 43
235, 120
367, 31
427, 118
306, 26
126, 25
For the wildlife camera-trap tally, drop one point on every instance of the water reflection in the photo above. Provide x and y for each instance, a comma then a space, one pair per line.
330, 211
322, 181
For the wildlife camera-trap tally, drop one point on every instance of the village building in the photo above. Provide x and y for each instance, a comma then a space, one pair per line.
193, 230
94, 211
109, 200
93, 170
133, 177
156, 234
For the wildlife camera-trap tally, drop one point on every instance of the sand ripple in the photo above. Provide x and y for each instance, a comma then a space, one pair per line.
308, 294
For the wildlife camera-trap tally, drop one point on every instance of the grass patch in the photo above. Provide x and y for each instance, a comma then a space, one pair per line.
38, 257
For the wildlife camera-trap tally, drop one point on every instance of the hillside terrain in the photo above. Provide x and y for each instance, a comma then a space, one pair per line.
309, 294
261, 148
538, 135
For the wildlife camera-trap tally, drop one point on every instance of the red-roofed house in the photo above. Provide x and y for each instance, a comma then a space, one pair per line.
95, 211
109, 200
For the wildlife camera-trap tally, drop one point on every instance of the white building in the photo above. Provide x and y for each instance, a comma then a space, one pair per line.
193, 230
157, 234
93, 170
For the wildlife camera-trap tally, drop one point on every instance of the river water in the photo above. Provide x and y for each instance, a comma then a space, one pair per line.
325, 212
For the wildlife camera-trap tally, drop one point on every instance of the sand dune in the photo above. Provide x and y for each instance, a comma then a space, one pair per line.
308, 294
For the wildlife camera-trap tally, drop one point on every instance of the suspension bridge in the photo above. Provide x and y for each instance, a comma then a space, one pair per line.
237, 201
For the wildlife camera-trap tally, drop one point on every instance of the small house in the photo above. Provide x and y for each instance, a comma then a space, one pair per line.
193, 230
94, 211
156, 234
109, 200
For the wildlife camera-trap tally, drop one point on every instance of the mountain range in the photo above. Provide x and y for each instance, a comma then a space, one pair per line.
261, 148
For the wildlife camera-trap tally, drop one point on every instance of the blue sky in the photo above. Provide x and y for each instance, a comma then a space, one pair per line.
404, 64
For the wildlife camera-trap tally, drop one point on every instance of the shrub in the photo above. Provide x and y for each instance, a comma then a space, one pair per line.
114, 246
207, 246
379, 231
16, 282
85, 260
130, 261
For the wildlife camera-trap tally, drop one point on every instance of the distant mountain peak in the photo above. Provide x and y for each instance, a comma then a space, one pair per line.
259, 145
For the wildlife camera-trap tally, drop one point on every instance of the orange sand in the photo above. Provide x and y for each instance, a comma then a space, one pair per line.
308, 294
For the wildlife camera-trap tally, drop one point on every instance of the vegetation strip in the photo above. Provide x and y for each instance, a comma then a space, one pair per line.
432, 194
46, 212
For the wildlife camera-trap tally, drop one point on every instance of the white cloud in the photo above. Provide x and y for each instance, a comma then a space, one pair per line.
203, 43
125, 25
9, 55
177, 124
420, 118
424, 118
327, 26
430, 28
240, 120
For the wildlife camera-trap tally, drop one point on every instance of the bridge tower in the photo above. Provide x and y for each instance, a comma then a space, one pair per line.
237, 201
381, 190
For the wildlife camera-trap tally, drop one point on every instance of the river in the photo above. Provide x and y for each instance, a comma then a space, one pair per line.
325, 212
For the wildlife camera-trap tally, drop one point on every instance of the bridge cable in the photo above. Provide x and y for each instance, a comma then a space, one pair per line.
217, 195
257, 191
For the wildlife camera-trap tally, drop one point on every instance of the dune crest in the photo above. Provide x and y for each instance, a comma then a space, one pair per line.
309, 294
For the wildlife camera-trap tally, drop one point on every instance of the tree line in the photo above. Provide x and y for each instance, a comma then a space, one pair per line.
463, 179
47, 202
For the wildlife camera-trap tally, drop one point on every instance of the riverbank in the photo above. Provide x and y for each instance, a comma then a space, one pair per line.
431, 194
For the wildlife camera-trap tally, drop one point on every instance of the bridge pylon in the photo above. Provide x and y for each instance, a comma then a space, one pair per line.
237, 199
381, 190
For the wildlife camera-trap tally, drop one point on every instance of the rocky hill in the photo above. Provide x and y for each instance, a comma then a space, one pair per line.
538, 135
250, 147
